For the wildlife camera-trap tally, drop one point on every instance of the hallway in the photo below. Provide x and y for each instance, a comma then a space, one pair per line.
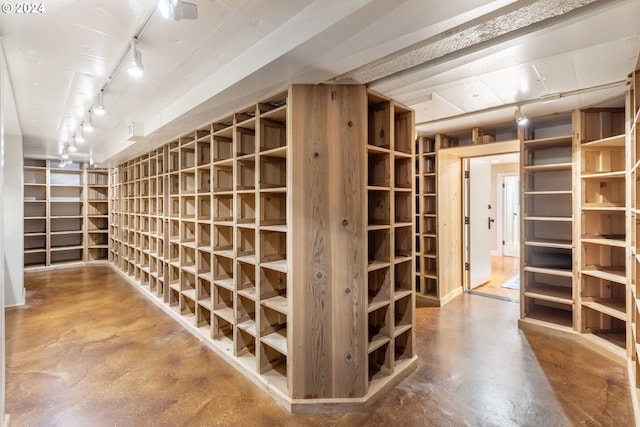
503, 268
90, 350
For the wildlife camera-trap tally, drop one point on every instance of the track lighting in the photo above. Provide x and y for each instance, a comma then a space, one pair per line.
135, 67
98, 109
87, 124
65, 153
176, 10
73, 147
521, 119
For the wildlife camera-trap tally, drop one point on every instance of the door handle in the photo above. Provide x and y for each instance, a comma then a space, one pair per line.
490, 220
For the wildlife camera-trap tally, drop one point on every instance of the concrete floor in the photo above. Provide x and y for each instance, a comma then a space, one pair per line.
89, 350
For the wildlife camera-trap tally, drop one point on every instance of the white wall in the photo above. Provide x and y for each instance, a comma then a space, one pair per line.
11, 212
13, 222
2, 362
499, 168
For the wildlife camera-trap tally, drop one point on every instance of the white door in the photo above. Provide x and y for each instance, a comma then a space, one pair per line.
481, 220
511, 221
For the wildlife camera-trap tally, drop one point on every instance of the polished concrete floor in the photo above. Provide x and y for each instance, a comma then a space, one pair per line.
89, 350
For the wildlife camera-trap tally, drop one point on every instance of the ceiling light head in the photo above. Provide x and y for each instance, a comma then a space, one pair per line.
135, 67
79, 136
73, 148
176, 10
87, 124
65, 153
521, 119
98, 108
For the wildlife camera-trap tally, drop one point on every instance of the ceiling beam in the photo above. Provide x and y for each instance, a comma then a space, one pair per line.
515, 20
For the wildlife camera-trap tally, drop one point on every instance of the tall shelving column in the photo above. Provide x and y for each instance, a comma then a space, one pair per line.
153, 221
272, 248
97, 214
247, 309
223, 233
203, 295
162, 230
547, 275
187, 213
35, 213
66, 213
633, 144
172, 296
114, 217
426, 220
390, 236
603, 239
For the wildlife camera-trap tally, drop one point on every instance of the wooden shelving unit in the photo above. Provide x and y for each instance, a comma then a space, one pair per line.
35, 213
547, 263
602, 224
257, 232
439, 229
66, 213
633, 239
97, 214
426, 281
390, 236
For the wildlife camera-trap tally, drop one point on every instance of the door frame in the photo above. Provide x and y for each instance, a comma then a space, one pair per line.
500, 202
451, 275
467, 212
500, 211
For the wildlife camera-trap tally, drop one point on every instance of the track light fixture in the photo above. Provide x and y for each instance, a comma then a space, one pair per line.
521, 119
79, 136
73, 147
99, 109
87, 124
176, 10
135, 67
65, 153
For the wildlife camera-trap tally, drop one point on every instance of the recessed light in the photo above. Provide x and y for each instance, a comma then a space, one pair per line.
256, 22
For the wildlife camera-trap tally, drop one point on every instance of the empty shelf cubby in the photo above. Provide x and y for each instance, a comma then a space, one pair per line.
379, 207
379, 170
379, 243
273, 172
223, 208
273, 209
379, 286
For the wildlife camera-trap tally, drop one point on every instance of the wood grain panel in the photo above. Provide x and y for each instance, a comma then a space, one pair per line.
449, 224
328, 125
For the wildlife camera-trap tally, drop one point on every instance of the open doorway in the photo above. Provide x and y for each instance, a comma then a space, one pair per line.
492, 232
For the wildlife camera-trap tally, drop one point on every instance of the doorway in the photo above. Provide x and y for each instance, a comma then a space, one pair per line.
491, 225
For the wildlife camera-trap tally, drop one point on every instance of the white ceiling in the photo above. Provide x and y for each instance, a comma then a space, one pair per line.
238, 50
